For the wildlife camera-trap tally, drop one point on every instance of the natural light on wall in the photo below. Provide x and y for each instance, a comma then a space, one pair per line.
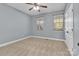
40, 23
58, 22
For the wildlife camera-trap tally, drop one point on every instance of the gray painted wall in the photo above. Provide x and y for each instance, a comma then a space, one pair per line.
13, 24
48, 28
76, 28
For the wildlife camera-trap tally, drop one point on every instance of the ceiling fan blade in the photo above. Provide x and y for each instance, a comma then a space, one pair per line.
30, 9
43, 6
35, 4
29, 3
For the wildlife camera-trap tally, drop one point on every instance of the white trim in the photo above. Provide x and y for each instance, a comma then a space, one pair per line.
48, 38
4, 44
7, 43
71, 52
70, 49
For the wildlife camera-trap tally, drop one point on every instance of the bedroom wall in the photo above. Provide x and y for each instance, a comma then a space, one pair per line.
48, 28
13, 24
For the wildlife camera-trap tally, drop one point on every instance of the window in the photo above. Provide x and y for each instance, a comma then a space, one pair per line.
39, 23
58, 22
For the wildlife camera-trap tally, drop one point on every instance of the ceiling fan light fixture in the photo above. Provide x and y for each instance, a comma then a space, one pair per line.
36, 7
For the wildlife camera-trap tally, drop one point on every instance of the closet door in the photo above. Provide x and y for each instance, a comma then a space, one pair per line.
69, 27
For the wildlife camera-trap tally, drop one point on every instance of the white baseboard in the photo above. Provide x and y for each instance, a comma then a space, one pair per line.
4, 44
70, 49
48, 38
71, 52
7, 43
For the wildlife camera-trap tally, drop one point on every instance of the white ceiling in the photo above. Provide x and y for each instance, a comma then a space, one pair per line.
51, 7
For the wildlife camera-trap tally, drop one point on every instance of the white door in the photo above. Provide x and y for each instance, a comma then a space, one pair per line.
69, 27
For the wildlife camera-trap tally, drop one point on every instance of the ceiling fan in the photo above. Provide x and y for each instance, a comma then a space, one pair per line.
36, 6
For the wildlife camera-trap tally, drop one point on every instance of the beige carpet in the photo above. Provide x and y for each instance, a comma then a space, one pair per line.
35, 47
